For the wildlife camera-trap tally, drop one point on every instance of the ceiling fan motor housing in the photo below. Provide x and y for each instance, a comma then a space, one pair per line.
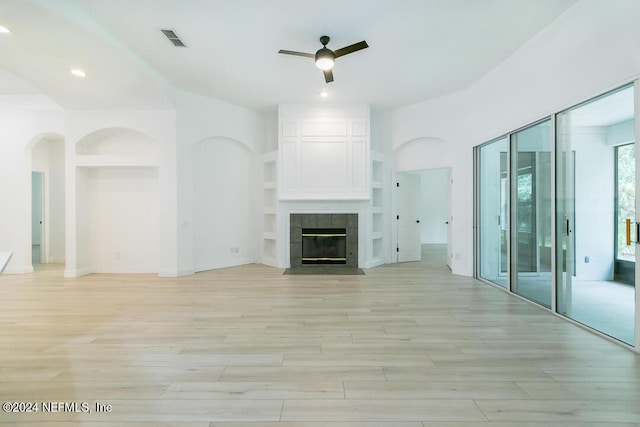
325, 56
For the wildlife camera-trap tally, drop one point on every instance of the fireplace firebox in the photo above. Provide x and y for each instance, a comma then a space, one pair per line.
324, 245
320, 241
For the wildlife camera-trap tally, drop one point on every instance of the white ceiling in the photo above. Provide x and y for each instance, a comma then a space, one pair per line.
419, 49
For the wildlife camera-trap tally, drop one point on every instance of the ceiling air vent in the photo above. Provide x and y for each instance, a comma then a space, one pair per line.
173, 38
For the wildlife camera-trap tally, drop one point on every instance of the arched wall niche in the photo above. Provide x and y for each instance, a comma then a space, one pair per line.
117, 202
225, 139
117, 141
422, 153
224, 203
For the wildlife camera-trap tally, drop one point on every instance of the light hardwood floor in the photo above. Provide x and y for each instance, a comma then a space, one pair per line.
405, 345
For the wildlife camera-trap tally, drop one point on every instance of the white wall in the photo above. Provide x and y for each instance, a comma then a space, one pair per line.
224, 213
20, 130
123, 213
79, 248
205, 119
591, 48
55, 227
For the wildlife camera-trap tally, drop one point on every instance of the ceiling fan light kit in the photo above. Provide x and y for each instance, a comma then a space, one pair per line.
325, 57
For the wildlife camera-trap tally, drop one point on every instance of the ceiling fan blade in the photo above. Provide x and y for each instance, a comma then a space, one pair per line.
328, 76
293, 52
350, 49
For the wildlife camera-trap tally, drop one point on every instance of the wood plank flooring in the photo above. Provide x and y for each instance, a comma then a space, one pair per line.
405, 345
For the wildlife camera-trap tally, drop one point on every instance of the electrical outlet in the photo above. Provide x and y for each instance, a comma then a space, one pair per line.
587, 259
118, 255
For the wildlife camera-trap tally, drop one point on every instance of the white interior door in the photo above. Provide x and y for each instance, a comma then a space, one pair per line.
408, 217
449, 217
37, 217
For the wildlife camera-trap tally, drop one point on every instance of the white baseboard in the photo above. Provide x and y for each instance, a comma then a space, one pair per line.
270, 261
127, 269
374, 263
17, 270
72, 273
176, 273
230, 263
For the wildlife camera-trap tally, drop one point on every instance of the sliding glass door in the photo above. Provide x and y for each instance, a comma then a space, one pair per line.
625, 265
493, 219
531, 203
595, 203
556, 213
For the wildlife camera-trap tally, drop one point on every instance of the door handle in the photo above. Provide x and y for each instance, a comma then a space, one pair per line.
628, 232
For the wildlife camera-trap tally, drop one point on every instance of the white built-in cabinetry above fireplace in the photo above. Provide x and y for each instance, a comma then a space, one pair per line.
323, 164
324, 152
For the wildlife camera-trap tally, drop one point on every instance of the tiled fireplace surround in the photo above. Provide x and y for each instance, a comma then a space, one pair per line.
348, 221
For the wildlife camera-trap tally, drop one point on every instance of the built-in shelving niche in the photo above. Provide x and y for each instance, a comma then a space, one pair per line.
270, 209
117, 203
270, 230
377, 209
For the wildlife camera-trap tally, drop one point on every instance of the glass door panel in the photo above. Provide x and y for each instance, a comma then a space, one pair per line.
531, 193
595, 182
493, 220
624, 268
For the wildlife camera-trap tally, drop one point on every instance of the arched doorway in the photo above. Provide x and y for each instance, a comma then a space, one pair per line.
46, 159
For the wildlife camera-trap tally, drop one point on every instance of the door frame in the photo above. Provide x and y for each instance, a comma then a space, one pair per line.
394, 204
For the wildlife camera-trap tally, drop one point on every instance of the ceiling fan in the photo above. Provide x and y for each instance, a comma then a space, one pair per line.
325, 57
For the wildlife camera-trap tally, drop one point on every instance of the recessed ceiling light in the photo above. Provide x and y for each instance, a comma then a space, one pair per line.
324, 93
4, 30
78, 72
